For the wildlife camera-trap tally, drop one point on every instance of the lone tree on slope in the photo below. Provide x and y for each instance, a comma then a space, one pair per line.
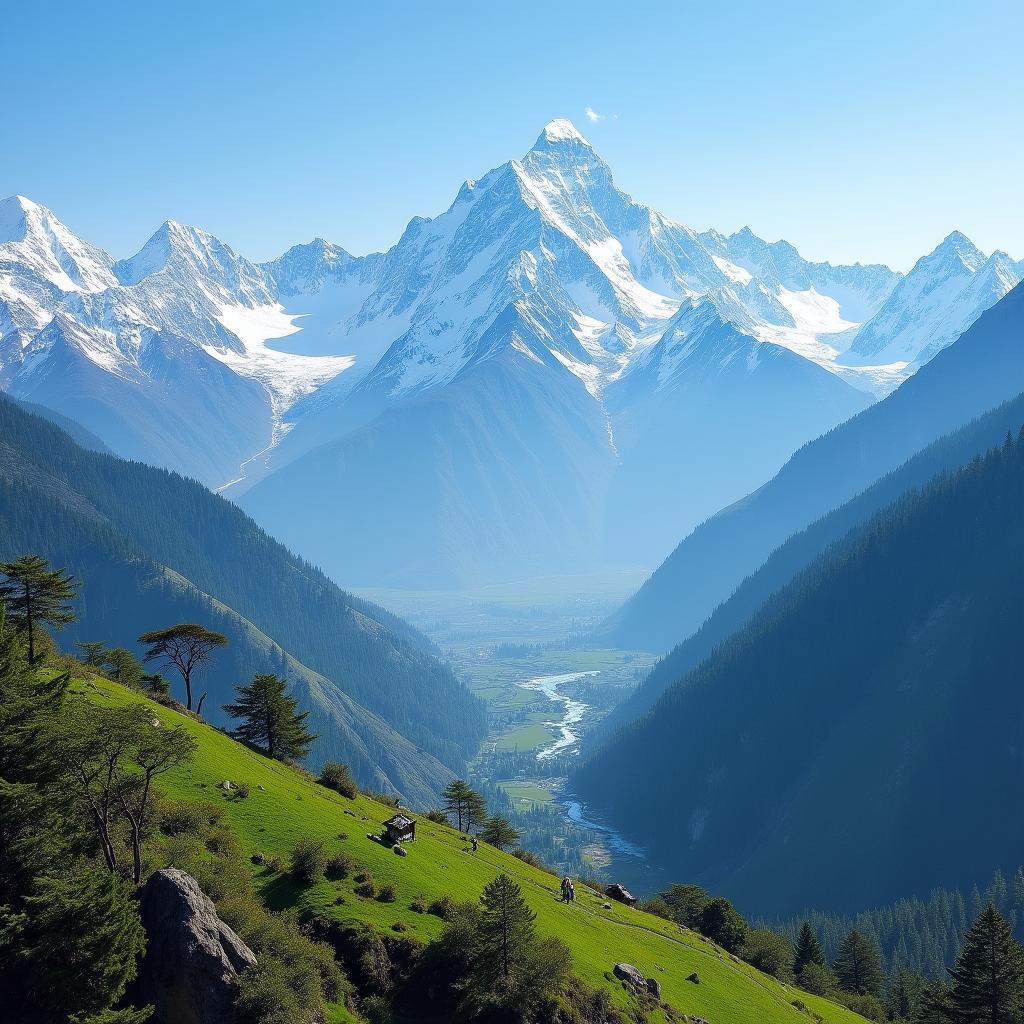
507, 928
464, 803
34, 593
499, 832
271, 719
185, 646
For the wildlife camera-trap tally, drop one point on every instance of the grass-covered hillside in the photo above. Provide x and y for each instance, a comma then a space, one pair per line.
283, 806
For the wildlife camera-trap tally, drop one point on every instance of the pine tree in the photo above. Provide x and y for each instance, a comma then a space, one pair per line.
84, 940
808, 949
858, 965
186, 646
499, 832
988, 979
35, 594
93, 651
476, 811
976, 905
456, 797
1018, 889
28, 706
998, 891
904, 995
507, 929
271, 719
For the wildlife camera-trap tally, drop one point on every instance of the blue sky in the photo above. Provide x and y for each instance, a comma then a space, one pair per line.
857, 131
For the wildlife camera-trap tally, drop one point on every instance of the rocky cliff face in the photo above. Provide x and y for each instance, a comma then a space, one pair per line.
193, 959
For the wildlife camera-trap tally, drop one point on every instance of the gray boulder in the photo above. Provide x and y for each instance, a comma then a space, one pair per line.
654, 987
193, 959
630, 975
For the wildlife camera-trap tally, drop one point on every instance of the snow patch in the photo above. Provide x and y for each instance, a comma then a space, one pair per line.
286, 377
735, 274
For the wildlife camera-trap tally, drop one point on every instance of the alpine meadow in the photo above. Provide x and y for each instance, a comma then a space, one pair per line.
511, 516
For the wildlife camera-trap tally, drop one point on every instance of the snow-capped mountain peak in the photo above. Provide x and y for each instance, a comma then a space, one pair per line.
557, 130
32, 237
188, 252
308, 267
934, 304
956, 246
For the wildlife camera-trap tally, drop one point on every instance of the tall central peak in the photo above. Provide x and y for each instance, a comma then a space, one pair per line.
561, 129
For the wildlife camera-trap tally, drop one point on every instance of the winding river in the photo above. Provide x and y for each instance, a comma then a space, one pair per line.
572, 715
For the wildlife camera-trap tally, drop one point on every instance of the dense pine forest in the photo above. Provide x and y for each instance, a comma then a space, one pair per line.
924, 934
947, 455
866, 699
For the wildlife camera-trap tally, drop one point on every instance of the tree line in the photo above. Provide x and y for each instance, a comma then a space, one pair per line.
923, 934
983, 985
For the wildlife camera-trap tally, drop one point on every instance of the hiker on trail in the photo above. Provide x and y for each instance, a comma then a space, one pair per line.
567, 890
472, 839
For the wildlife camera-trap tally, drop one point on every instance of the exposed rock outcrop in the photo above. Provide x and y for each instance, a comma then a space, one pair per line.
193, 959
631, 976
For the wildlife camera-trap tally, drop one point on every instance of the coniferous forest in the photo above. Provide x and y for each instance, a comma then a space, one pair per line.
817, 755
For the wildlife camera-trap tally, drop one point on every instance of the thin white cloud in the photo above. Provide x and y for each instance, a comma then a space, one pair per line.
592, 115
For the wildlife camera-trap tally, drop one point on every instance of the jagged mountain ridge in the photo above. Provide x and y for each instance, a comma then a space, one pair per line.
978, 372
189, 356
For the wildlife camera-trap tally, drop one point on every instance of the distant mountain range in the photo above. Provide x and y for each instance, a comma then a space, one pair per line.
981, 370
151, 548
547, 377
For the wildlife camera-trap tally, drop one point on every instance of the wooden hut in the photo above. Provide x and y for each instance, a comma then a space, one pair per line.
400, 829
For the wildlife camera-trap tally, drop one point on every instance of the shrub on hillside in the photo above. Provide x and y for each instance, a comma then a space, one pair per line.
866, 1005
367, 888
721, 923
386, 894
442, 908
339, 778
309, 861
340, 865
817, 979
437, 817
175, 817
770, 953
198, 839
529, 857
657, 907
293, 975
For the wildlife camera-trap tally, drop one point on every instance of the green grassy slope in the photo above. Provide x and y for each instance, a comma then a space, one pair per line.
289, 807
